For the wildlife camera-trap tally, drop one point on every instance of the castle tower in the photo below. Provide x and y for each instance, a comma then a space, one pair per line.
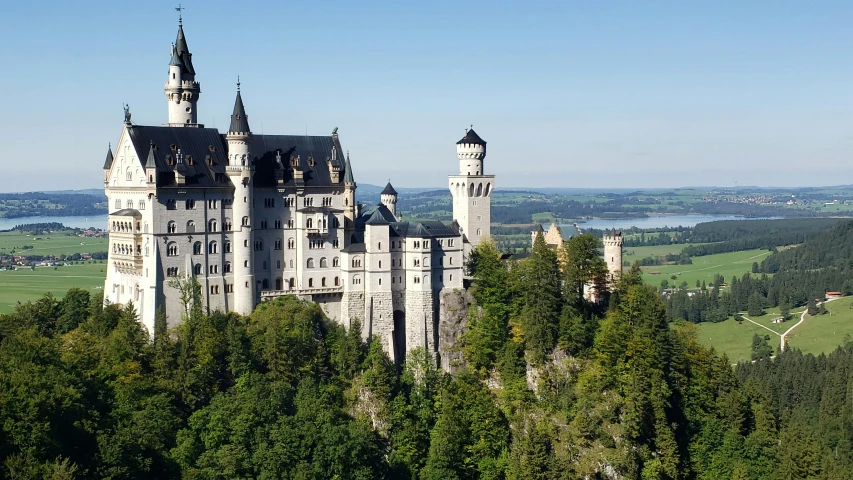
613, 255
181, 89
388, 197
472, 189
349, 202
239, 171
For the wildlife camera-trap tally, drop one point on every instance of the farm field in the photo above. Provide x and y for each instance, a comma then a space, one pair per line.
704, 268
26, 284
733, 339
822, 333
631, 254
50, 244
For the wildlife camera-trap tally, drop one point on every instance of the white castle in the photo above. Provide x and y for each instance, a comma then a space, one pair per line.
253, 217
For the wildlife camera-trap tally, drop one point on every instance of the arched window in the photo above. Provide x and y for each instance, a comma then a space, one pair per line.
171, 227
292, 283
227, 267
310, 282
426, 261
310, 263
291, 243
479, 231
227, 246
197, 269
212, 247
279, 284
129, 202
197, 248
324, 263
211, 225
190, 227
245, 221
323, 282
356, 262
336, 262
471, 190
172, 249
337, 281
310, 223
259, 245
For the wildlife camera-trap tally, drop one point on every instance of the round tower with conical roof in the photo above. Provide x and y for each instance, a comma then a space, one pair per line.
388, 197
182, 91
239, 171
613, 254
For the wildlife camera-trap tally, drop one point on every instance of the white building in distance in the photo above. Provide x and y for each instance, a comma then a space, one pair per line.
253, 217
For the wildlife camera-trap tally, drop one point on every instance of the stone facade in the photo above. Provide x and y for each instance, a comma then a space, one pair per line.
252, 217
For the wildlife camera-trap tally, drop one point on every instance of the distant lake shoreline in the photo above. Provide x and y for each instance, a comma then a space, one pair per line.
659, 221
97, 221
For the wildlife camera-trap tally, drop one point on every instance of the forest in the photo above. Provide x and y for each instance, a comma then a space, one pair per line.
788, 278
552, 386
14, 205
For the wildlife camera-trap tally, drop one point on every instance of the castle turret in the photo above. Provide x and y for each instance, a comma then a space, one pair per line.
108, 164
182, 91
613, 255
472, 189
388, 197
239, 170
349, 202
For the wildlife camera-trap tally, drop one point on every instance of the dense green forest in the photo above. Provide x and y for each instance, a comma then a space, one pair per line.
551, 387
788, 278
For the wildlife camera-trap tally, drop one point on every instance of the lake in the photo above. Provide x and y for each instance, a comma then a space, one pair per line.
100, 221
657, 221
97, 221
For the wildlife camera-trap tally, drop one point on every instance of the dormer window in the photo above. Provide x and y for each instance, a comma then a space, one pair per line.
293, 161
173, 147
189, 159
171, 160
310, 161
211, 148
209, 160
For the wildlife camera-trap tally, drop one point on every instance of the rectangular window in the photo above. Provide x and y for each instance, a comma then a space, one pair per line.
229, 288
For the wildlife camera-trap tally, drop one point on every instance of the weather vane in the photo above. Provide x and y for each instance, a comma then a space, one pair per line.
179, 8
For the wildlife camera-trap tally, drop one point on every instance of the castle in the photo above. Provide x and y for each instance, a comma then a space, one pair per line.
253, 217
612, 242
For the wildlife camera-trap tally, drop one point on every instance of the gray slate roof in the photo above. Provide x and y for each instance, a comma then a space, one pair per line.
379, 214
183, 52
264, 149
127, 212
472, 137
239, 120
199, 143
348, 178
108, 163
389, 190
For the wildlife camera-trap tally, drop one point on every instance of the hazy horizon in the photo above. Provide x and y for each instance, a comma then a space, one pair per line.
568, 95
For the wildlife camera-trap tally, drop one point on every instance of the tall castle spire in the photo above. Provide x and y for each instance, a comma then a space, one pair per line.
239, 119
182, 91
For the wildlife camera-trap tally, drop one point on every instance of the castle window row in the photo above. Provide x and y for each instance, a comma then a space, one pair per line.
126, 249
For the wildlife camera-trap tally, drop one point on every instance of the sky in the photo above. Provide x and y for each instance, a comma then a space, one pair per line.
597, 94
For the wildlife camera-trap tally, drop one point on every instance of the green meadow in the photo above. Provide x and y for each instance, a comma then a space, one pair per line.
704, 268
822, 333
26, 284
50, 244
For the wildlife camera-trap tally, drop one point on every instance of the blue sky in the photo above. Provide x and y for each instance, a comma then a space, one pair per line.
568, 94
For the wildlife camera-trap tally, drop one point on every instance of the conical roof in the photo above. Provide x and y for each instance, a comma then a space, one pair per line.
176, 59
150, 163
239, 119
471, 137
389, 190
108, 163
348, 177
183, 52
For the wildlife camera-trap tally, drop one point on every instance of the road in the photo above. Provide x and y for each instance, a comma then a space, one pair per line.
788, 331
